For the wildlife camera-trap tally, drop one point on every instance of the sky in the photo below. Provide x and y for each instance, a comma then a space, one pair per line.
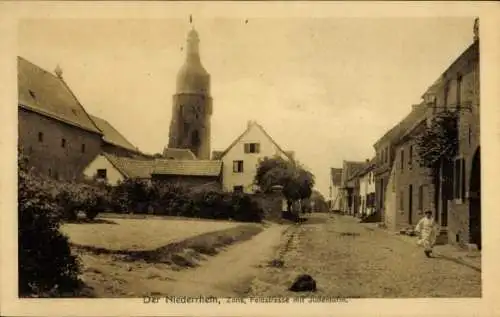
326, 88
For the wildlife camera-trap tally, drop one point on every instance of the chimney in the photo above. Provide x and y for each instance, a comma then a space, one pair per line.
249, 123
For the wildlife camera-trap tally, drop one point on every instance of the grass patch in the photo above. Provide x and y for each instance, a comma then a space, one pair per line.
187, 252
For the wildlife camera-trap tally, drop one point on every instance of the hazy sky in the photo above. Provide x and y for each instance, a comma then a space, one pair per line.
325, 88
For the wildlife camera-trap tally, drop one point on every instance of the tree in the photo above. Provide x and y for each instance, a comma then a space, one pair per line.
46, 265
296, 181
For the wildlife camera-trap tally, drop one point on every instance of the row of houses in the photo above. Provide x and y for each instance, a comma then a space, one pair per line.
395, 189
64, 141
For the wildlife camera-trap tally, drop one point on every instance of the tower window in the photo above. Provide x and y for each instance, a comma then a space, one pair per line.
63, 142
83, 148
40, 136
195, 138
186, 127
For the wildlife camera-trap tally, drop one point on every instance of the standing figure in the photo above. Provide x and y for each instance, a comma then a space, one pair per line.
428, 230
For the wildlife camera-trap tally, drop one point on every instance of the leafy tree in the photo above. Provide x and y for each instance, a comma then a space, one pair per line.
296, 181
439, 140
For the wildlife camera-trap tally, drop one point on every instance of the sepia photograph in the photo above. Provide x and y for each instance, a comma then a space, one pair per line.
207, 159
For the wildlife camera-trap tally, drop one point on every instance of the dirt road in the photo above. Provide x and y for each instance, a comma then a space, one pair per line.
228, 273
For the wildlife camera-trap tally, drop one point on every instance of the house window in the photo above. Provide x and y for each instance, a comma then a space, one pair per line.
101, 173
238, 166
238, 188
402, 159
401, 201
252, 147
83, 148
63, 142
40, 136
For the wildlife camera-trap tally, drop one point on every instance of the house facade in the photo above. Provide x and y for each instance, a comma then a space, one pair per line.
55, 132
349, 186
367, 190
459, 91
240, 160
335, 182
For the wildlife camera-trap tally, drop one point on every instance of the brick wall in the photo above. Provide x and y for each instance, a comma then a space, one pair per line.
409, 174
466, 68
49, 156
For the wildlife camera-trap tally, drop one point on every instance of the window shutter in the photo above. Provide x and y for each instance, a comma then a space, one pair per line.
247, 147
257, 147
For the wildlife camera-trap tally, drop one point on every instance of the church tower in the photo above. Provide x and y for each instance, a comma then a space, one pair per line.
192, 104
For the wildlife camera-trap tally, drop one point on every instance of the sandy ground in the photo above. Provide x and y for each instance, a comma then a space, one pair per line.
349, 260
138, 234
229, 273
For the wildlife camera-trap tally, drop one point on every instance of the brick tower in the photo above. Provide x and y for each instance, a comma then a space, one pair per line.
192, 104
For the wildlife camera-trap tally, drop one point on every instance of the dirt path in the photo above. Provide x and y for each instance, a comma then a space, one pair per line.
229, 273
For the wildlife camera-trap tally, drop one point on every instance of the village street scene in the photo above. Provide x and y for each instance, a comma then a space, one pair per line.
249, 158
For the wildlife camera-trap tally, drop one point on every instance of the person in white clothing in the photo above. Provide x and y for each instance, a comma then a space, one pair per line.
428, 230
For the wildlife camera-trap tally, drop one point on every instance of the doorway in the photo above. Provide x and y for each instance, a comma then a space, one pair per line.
475, 200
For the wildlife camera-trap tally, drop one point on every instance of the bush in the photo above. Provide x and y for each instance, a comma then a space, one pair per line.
46, 265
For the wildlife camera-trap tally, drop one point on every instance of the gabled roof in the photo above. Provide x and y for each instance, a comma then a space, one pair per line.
336, 176
178, 154
249, 126
130, 167
187, 167
46, 94
111, 135
350, 169
369, 166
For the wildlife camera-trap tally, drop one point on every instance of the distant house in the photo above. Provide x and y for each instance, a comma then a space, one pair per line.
55, 132
114, 169
367, 189
348, 185
241, 158
335, 182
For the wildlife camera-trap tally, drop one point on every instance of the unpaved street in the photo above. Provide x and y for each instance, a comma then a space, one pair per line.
348, 259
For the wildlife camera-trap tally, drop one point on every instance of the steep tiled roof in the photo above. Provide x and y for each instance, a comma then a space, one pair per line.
178, 154
188, 167
249, 126
111, 135
44, 93
132, 168
350, 168
336, 176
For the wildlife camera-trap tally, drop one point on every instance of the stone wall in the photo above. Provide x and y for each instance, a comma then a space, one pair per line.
47, 155
272, 204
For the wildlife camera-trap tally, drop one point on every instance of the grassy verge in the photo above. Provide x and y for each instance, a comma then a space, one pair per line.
186, 252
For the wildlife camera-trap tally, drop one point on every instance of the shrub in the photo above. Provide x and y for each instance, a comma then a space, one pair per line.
46, 265
246, 208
